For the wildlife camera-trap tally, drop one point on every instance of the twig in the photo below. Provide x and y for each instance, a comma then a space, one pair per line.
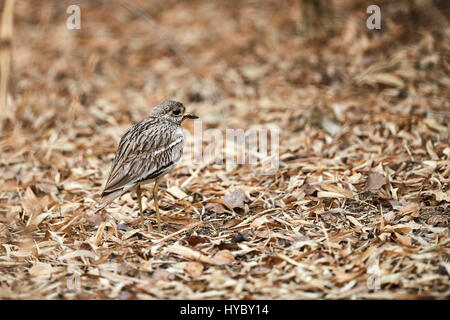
5, 55
191, 226
435, 246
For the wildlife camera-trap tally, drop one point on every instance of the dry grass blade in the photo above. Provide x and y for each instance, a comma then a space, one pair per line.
189, 254
5, 55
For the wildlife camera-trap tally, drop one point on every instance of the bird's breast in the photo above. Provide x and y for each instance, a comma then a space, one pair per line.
179, 133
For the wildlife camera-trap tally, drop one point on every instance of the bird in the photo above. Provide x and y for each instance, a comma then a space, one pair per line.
147, 151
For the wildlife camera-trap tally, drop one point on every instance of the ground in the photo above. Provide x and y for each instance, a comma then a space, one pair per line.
358, 207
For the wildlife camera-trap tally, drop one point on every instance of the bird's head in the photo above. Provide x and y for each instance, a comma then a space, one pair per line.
173, 111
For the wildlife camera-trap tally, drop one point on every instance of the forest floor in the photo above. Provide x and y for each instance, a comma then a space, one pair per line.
359, 205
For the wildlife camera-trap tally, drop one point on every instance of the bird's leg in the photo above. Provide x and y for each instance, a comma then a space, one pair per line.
155, 199
139, 199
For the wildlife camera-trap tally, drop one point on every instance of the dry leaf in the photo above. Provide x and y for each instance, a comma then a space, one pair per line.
441, 195
221, 202
189, 253
235, 199
258, 222
354, 221
177, 192
194, 269
77, 253
403, 239
41, 270
215, 207
161, 274
375, 181
31, 204
388, 79
223, 257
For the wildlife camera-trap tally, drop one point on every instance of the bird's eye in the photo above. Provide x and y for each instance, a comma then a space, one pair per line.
176, 112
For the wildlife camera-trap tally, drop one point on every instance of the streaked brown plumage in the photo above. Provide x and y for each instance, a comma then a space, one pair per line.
146, 152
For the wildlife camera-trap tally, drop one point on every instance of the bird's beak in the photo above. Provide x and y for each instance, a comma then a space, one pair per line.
190, 116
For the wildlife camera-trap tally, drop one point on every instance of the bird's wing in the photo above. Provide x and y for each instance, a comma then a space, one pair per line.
146, 150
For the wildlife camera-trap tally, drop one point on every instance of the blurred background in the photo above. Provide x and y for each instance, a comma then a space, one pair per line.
225, 58
235, 63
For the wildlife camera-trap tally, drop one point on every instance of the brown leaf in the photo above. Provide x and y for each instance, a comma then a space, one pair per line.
223, 257
271, 261
231, 223
403, 239
177, 192
328, 194
333, 191
41, 270
47, 188
162, 274
258, 222
194, 269
97, 219
30, 203
222, 202
189, 253
388, 79
235, 199
194, 240
215, 207
441, 195
410, 209
375, 181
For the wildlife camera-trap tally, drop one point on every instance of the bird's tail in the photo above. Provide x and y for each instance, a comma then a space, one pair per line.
107, 199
